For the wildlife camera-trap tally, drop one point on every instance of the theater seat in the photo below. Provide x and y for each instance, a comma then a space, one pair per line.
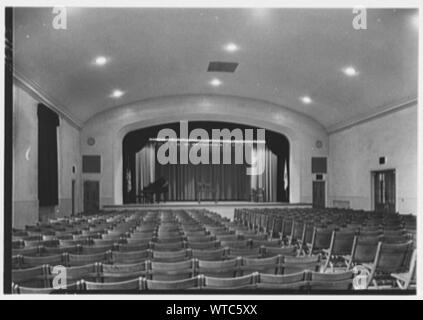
243, 282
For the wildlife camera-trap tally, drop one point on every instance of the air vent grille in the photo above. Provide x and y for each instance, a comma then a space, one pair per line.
219, 66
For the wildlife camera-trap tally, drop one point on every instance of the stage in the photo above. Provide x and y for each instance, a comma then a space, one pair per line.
224, 208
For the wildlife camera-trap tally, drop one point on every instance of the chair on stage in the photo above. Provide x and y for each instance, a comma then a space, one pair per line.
205, 190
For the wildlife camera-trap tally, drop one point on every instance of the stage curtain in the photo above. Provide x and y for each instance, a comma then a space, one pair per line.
131, 145
230, 181
48, 121
145, 167
267, 181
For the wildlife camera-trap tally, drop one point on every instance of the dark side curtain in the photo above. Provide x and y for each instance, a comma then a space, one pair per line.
48, 121
279, 145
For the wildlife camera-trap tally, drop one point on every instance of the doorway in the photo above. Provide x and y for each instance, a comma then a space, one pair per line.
384, 191
319, 194
91, 196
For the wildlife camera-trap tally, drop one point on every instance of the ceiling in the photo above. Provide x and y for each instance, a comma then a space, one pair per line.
284, 54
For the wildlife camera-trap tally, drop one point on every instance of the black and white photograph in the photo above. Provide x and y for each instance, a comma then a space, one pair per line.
210, 150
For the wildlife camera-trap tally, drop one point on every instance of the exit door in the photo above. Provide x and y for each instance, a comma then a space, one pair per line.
384, 191
319, 194
91, 196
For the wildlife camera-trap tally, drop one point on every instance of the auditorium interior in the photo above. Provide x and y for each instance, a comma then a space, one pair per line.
118, 114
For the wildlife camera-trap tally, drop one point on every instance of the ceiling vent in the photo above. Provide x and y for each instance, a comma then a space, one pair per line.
219, 66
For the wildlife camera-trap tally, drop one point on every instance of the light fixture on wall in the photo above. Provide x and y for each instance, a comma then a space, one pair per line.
27, 153
91, 141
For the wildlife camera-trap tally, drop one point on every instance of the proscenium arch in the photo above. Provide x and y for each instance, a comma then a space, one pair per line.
112, 125
293, 173
135, 140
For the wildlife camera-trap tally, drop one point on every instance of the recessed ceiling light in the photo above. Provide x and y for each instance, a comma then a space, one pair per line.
231, 47
350, 71
306, 100
100, 61
215, 82
117, 93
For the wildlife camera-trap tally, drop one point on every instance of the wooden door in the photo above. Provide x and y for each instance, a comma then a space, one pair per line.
384, 191
319, 194
91, 196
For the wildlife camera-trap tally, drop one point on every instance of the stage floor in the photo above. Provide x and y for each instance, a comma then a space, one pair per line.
224, 208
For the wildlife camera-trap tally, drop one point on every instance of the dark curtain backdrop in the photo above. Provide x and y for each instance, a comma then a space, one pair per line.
48, 121
231, 180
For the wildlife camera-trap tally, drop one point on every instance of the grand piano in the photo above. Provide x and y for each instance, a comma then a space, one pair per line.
154, 191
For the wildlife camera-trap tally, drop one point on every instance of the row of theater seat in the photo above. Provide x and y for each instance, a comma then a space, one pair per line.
384, 245
139, 239
171, 244
162, 228
181, 269
109, 256
276, 221
304, 281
